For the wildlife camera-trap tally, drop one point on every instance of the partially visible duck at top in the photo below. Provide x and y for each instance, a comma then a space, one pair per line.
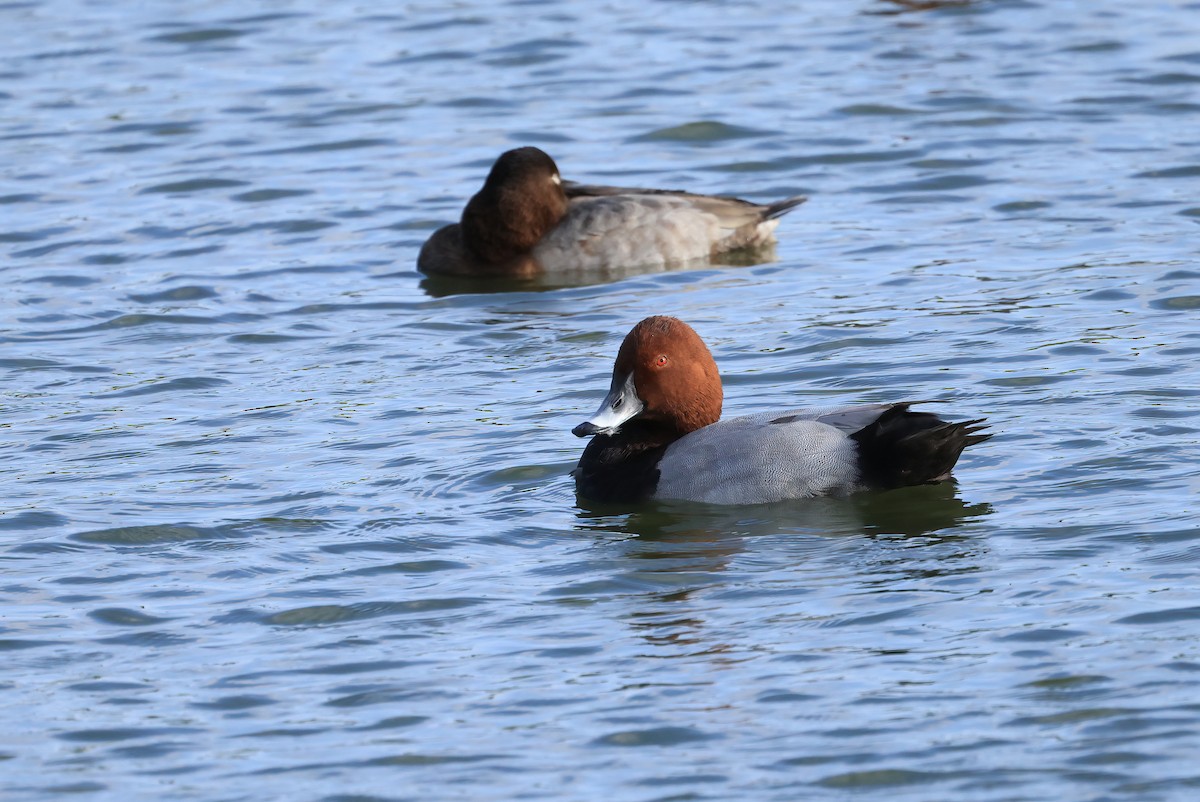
658, 435
526, 221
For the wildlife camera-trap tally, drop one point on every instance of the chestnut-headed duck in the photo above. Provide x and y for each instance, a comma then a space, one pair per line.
526, 220
658, 435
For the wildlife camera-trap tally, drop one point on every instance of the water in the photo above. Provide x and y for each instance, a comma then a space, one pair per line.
284, 519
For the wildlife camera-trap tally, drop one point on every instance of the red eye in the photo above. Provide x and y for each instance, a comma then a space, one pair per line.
661, 361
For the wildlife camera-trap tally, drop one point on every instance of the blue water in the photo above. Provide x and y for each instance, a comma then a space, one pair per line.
282, 518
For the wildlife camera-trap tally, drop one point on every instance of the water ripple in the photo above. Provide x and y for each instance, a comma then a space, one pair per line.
279, 507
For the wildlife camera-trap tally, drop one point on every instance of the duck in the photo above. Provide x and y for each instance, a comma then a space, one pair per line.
527, 221
658, 435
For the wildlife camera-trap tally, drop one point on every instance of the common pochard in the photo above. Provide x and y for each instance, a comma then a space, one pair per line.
526, 220
658, 435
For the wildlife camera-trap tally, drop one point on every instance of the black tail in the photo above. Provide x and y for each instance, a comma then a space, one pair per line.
912, 448
780, 208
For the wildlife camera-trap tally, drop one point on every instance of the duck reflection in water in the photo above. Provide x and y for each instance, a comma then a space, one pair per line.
690, 537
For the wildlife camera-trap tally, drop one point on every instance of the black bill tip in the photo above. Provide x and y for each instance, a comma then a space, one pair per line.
585, 429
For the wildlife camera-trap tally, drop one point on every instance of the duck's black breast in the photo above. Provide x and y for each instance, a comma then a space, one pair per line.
620, 468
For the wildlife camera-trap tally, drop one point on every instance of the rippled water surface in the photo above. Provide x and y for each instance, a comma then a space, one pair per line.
283, 519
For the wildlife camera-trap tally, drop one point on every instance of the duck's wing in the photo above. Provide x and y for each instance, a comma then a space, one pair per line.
732, 212
752, 460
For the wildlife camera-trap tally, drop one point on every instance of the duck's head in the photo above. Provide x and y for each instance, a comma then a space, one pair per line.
521, 200
664, 374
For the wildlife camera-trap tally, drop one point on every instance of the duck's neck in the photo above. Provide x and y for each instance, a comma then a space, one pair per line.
645, 434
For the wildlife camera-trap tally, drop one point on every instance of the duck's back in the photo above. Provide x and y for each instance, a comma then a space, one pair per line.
613, 227
768, 457
803, 453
